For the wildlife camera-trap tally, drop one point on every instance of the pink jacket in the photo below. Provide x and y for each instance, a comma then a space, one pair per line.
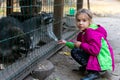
92, 42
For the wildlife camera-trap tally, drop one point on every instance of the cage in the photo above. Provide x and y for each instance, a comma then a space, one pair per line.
27, 35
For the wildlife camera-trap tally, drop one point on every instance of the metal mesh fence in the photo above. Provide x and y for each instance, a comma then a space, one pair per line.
27, 35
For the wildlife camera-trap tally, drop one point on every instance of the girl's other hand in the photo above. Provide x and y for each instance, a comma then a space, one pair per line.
62, 42
77, 44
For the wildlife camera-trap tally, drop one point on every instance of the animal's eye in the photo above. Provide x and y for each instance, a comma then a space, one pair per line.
22, 41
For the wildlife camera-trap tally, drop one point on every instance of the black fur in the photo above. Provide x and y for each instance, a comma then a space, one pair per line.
18, 38
30, 6
13, 42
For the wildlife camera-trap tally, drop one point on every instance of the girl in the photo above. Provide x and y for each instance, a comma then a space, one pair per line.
91, 49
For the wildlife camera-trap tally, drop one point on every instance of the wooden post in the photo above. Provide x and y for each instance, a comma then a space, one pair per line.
58, 15
79, 4
88, 3
9, 8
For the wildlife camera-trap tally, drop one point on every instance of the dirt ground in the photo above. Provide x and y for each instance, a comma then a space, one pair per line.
64, 63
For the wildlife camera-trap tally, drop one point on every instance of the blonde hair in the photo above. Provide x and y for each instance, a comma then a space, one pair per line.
86, 11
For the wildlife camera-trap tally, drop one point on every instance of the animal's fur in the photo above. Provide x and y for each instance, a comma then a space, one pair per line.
30, 6
13, 42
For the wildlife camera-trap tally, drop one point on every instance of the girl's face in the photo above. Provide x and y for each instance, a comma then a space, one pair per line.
83, 21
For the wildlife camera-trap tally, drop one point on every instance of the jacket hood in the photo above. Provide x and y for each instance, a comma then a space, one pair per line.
102, 30
99, 29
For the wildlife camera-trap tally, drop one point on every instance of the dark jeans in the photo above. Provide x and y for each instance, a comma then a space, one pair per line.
80, 56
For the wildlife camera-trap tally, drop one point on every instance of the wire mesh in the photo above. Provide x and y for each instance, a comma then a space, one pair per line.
26, 35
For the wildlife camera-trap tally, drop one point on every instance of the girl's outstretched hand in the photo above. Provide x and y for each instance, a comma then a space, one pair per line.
62, 42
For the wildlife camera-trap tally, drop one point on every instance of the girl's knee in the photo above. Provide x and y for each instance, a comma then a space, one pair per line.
74, 51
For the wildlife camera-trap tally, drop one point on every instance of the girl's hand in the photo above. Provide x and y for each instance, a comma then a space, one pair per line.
77, 44
62, 42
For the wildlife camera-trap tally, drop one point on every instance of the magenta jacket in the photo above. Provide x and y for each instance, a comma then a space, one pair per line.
95, 43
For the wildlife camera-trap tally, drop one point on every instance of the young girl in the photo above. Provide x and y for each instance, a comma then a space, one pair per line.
91, 49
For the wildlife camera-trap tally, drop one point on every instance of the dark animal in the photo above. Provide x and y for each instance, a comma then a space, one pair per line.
39, 28
14, 43
17, 38
30, 6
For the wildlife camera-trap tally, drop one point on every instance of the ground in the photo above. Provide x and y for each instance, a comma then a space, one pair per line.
64, 63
